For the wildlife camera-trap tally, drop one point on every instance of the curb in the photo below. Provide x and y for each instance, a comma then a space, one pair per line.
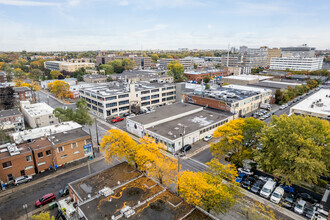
57, 173
198, 151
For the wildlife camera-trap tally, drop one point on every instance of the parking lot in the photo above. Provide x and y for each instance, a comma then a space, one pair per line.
296, 199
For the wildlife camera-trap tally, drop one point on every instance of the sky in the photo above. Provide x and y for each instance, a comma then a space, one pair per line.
75, 25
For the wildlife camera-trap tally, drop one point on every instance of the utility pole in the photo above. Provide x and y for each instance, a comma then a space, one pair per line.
179, 158
97, 134
90, 134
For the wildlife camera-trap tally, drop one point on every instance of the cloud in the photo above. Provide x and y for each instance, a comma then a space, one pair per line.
73, 2
27, 3
209, 26
157, 27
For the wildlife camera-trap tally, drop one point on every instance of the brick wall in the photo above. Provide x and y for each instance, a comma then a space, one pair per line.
212, 103
45, 161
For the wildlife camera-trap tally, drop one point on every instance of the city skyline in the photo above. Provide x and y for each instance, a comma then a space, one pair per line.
76, 25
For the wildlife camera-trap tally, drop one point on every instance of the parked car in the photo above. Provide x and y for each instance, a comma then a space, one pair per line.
186, 148
307, 197
257, 186
289, 189
241, 177
310, 212
288, 200
282, 107
248, 182
263, 118
267, 189
300, 207
45, 200
117, 119
22, 179
207, 138
64, 192
277, 195
247, 171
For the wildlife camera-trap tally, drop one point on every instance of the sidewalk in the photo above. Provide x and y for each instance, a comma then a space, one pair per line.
49, 176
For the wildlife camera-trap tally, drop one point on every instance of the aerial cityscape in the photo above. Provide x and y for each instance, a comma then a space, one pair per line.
165, 110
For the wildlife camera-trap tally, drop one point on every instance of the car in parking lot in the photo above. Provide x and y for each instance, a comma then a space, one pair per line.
22, 179
288, 200
307, 197
117, 119
282, 107
287, 188
277, 195
256, 187
248, 182
45, 200
246, 171
267, 189
241, 177
300, 207
310, 211
186, 148
207, 138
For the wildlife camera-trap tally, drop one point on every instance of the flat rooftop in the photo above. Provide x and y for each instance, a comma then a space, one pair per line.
244, 77
94, 76
8, 150
22, 136
164, 112
37, 109
70, 135
136, 194
21, 89
274, 84
194, 122
115, 88
10, 112
312, 104
197, 72
67, 63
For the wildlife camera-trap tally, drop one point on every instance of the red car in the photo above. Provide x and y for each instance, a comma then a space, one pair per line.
45, 199
114, 120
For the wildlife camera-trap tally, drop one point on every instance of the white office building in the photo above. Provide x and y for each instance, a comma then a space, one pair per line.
296, 63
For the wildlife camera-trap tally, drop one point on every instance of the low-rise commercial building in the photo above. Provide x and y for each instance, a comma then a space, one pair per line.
122, 192
143, 75
316, 105
198, 76
11, 120
116, 98
177, 124
38, 114
32, 134
236, 99
67, 66
296, 63
95, 78
244, 79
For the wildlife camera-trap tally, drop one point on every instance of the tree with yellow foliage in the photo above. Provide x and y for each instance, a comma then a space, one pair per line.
147, 153
60, 89
43, 216
214, 189
34, 86
55, 74
116, 143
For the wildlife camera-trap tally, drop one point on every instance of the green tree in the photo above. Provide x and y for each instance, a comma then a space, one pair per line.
55, 74
19, 74
195, 66
279, 97
295, 148
78, 74
128, 64
207, 87
107, 68
206, 79
154, 57
176, 70
117, 65
80, 115
36, 74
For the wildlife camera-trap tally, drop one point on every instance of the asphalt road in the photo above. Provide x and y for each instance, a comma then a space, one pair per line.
12, 205
53, 102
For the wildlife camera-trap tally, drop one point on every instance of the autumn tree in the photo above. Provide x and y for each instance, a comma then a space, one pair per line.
154, 57
258, 211
60, 89
128, 64
55, 74
238, 137
176, 70
42, 216
206, 79
117, 65
107, 68
19, 74
215, 189
36, 74
34, 86
295, 148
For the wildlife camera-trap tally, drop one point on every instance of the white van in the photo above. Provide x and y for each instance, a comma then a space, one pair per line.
300, 207
268, 188
277, 195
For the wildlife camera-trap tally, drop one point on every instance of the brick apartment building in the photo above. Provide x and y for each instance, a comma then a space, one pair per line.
12, 120
40, 154
23, 93
3, 77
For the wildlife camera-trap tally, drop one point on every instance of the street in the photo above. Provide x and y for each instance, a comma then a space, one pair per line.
53, 102
12, 204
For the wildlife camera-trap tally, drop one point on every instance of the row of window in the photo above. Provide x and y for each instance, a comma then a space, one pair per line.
213, 126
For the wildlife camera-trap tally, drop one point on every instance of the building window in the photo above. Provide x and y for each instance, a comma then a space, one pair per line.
145, 92
48, 152
88, 141
28, 167
50, 117
123, 102
111, 104
74, 145
145, 98
155, 96
60, 149
123, 108
10, 177
6, 164
122, 96
76, 152
110, 98
40, 155
41, 163
28, 158
64, 156
114, 110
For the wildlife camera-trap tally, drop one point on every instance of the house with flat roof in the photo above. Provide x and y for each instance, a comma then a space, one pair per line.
11, 120
244, 79
122, 192
38, 114
316, 105
177, 124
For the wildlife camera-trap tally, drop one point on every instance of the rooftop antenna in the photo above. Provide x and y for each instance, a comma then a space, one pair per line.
228, 56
